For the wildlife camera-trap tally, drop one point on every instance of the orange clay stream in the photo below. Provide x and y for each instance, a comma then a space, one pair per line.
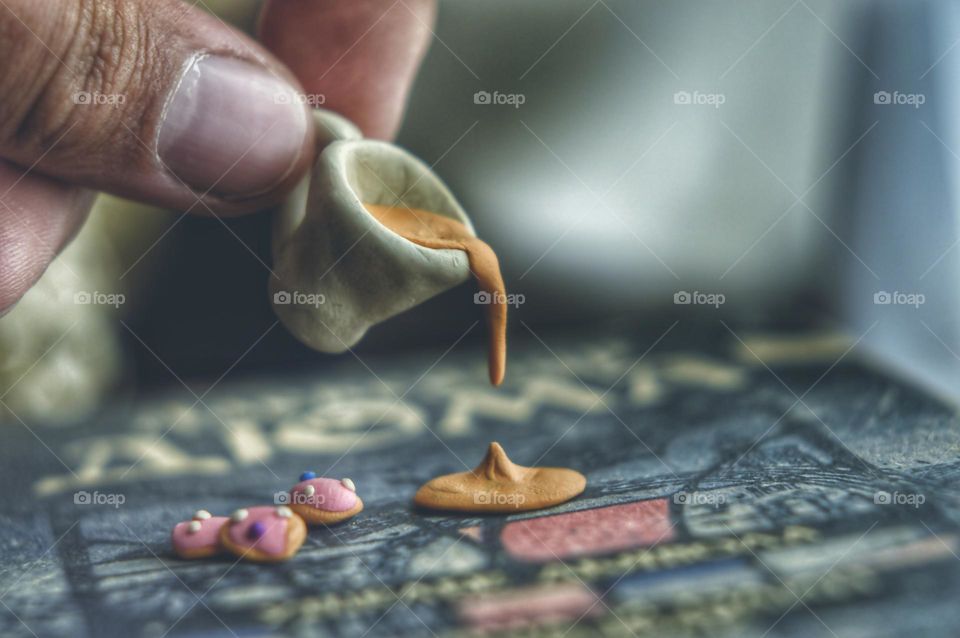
436, 231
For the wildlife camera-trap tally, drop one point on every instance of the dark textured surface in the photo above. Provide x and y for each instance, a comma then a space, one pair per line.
772, 480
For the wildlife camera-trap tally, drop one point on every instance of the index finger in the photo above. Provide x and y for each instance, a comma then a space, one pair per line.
355, 57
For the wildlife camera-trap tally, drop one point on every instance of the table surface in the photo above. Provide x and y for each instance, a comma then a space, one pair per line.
740, 482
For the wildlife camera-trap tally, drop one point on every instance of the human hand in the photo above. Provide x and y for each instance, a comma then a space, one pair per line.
160, 102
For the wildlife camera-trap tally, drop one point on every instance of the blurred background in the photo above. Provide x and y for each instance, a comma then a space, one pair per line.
797, 157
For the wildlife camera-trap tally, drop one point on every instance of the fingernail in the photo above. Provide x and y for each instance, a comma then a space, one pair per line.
231, 128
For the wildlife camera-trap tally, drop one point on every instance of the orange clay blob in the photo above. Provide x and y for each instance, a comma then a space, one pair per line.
436, 231
500, 485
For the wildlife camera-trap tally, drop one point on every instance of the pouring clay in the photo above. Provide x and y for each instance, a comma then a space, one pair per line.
370, 232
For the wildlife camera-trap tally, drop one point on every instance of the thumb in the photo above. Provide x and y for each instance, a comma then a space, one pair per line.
149, 99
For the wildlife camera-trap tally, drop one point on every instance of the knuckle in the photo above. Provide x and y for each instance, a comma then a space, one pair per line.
85, 83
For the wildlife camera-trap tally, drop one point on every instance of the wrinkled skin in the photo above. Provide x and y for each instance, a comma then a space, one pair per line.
360, 54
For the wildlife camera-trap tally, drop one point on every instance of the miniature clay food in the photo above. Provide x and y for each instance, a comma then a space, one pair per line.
325, 501
500, 485
198, 537
264, 533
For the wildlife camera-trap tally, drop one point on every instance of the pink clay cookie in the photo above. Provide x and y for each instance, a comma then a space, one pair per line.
264, 534
199, 537
324, 501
